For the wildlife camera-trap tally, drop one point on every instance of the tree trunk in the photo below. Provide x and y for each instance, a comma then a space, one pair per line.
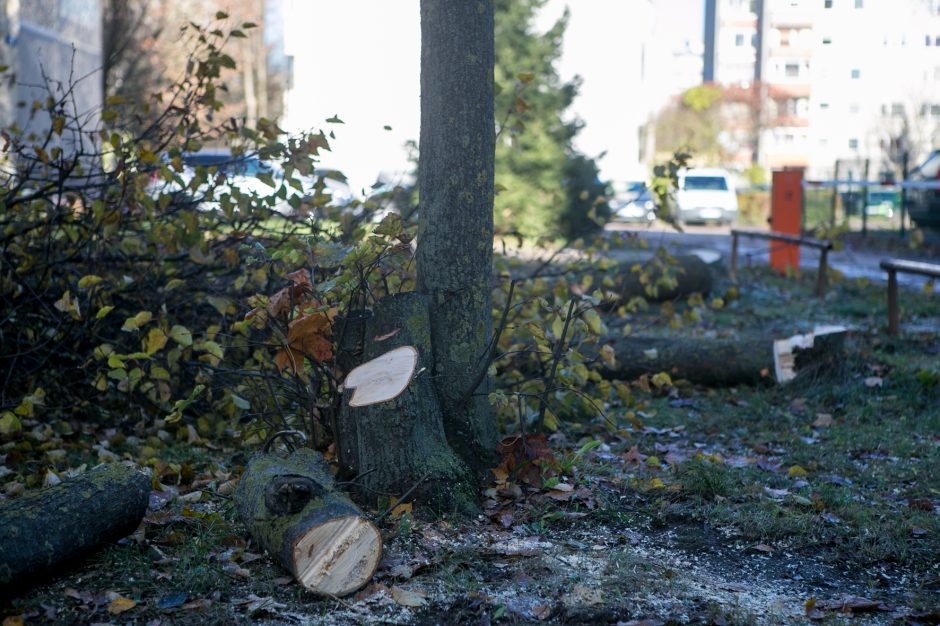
292, 509
399, 444
455, 241
725, 362
45, 529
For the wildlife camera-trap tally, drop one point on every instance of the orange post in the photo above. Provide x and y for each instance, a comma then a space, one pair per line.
786, 206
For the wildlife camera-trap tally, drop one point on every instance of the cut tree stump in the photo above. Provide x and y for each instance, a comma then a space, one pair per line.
293, 510
46, 529
726, 362
399, 444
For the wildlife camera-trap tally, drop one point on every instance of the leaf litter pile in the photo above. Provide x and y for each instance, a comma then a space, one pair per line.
818, 501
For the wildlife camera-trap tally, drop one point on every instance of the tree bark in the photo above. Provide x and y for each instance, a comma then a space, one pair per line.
396, 445
719, 362
455, 241
43, 530
292, 509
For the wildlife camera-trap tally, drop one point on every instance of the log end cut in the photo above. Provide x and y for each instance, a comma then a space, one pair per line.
338, 556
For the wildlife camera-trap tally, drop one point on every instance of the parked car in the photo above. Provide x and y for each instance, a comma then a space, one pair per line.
923, 205
640, 209
706, 195
242, 172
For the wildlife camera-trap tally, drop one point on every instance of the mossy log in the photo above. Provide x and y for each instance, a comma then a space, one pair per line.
725, 362
389, 447
292, 509
45, 529
658, 279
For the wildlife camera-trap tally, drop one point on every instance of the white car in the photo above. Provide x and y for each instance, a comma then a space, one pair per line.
706, 195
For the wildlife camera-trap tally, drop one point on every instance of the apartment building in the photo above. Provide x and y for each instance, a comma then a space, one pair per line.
852, 81
45, 43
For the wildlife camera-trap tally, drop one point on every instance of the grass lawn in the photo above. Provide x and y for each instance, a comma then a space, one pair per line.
773, 504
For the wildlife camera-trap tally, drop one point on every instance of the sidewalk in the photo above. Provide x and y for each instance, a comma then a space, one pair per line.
852, 261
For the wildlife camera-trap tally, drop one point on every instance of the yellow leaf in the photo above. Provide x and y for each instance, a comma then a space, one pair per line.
155, 341
797, 472
115, 361
401, 509
9, 424
58, 124
103, 311
594, 322
120, 604
551, 421
89, 281
13, 620
134, 323
181, 335
558, 326
661, 379
609, 356
222, 305
212, 348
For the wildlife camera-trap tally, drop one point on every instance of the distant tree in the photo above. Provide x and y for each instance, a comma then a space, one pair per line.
534, 155
143, 54
693, 123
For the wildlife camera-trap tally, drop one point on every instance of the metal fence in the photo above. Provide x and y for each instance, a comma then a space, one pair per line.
859, 205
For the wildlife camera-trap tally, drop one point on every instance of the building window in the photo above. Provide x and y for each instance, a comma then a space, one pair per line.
897, 109
935, 110
739, 40
859, 4
936, 41
823, 105
854, 108
792, 70
828, 4
856, 73
827, 41
853, 144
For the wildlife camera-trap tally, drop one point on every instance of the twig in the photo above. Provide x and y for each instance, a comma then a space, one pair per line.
402, 499
490, 352
556, 357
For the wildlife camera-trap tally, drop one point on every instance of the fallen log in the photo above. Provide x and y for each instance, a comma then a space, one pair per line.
658, 279
726, 362
42, 531
292, 509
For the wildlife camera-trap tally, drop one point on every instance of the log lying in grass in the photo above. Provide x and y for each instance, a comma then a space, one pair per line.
664, 280
46, 529
724, 362
292, 509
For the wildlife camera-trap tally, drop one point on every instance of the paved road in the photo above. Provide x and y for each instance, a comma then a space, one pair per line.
851, 262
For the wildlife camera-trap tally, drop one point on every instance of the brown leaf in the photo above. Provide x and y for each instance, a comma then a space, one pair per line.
823, 420
306, 336
762, 547
408, 598
633, 455
120, 604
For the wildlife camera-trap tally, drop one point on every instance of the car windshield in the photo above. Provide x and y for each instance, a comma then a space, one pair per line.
248, 166
881, 196
931, 166
705, 183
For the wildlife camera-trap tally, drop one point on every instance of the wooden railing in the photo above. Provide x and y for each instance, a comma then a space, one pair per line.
823, 245
893, 266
